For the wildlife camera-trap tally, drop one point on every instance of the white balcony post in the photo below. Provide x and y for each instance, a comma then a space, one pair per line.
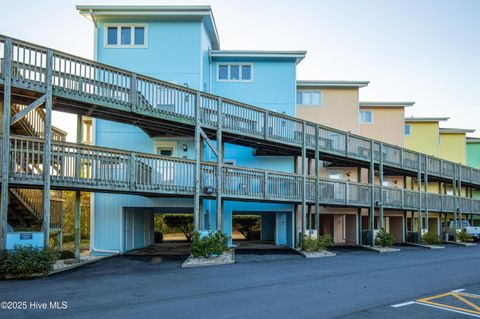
196, 202
425, 187
380, 180
77, 193
304, 179
317, 180
419, 189
372, 190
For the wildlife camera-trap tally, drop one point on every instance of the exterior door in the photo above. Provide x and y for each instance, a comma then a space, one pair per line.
129, 230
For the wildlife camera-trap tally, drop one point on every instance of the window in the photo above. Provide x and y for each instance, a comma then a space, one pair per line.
165, 151
365, 117
309, 98
235, 72
408, 130
335, 175
126, 36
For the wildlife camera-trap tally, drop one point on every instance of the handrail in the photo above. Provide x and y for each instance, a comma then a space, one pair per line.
111, 83
112, 170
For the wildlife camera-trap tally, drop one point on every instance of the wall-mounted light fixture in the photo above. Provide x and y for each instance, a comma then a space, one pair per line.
184, 147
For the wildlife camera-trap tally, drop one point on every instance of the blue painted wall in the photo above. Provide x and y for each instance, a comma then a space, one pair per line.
178, 52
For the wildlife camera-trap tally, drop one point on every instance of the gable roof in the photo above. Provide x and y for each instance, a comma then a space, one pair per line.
204, 13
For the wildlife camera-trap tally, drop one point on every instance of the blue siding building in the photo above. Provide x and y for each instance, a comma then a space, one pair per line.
181, 45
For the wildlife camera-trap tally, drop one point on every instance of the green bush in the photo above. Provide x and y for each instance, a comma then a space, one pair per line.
310, 244
247, 225
180, 222
214, 243
463, 236
23, 261
384, 238
430, 238
158, 237
66, 254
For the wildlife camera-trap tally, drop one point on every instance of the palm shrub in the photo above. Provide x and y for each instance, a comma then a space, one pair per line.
23, 261
384, 238
463, 236
209, 245
430, 238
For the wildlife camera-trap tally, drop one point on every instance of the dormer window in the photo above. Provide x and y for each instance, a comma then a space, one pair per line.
126, 36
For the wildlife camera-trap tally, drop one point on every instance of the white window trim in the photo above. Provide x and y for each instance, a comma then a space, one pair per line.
165, 144
119, 35
310, 105
240, 74
410, 131
366, 123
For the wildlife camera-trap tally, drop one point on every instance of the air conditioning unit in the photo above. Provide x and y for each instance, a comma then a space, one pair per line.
312, 233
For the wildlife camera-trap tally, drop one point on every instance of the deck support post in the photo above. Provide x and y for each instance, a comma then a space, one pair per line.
317, 180
372, 197
196, 200
77, 193
380, 181
7, 73
455, 202
425, 187
219, 165
304, 179
419, 188
47, 149
460, 194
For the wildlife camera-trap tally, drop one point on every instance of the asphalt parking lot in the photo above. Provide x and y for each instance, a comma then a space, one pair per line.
355, 284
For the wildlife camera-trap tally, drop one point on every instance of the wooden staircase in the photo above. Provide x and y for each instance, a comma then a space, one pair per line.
25, 209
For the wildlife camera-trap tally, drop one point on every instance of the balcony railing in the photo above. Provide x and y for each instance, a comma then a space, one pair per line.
84, 80
94, 168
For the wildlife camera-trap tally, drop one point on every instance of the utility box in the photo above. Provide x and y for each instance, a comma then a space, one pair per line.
34, 239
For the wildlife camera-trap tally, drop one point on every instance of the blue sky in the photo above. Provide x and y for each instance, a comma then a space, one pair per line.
425, 51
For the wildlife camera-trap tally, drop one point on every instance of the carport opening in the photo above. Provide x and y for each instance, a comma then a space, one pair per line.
177, 227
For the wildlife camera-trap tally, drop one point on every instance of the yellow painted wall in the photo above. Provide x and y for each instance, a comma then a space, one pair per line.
388, 125
424, 137
453, 147
339, 109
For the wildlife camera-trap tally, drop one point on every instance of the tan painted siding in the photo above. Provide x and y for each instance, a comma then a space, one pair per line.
388, 125
339, 109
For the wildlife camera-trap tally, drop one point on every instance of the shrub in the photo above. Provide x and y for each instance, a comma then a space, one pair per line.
325, 241
66, 254
247, 225
214, 243
180, 222
384, 238
310, 244
23, 261
463, 236
158, 237
430, 238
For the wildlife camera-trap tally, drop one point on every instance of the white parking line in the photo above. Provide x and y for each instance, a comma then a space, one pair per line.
403, 304
458, 290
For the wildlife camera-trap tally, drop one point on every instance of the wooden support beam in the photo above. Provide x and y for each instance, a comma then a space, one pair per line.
219, 165
419, 188
196, 201
425, 187
380, 180
455, 201
209, 142
7, 87
47, 149
317, 180
77, 193
17, 117
372, 189
304, 179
